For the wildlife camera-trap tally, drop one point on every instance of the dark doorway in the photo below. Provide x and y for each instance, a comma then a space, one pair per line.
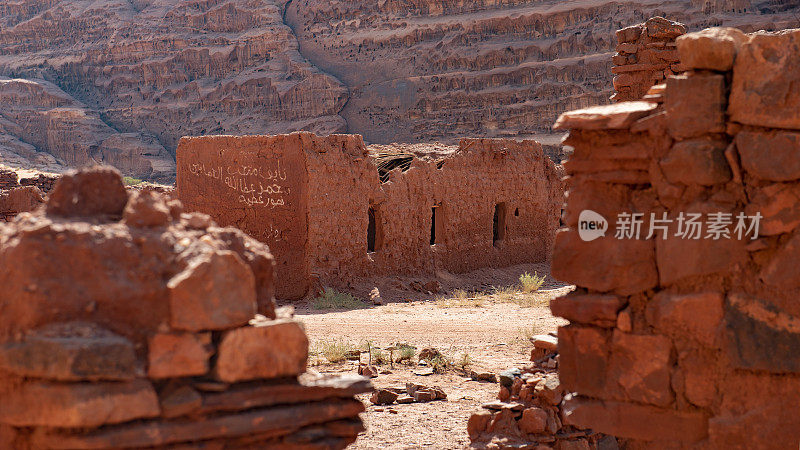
499, 223
433, 225
374, 231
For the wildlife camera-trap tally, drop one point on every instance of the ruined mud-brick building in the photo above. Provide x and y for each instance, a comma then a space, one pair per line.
331, 211
20, 195
129, 324
685, 326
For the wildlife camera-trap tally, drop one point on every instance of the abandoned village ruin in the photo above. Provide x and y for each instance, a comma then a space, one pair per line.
329, 216
148, 317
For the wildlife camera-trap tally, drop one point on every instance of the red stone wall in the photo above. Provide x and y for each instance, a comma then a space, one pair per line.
466, 186
130, 324
257, 184
677, 342
319, 233
646, 55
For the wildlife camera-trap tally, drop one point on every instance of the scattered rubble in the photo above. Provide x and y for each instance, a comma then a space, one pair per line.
529, 410
411, 393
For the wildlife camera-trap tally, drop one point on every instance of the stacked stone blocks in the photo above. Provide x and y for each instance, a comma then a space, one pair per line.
677, 341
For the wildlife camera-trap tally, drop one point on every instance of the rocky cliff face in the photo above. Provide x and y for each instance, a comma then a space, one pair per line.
162, 69
422, 70
121, 81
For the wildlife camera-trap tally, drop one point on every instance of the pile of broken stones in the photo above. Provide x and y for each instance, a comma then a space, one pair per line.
528, 411
411, 393
128, 323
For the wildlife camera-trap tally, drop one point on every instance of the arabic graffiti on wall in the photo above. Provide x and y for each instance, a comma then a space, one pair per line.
255, 186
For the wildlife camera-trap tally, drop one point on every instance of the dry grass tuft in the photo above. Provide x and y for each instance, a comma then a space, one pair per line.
330, 298
531, 283
333, 351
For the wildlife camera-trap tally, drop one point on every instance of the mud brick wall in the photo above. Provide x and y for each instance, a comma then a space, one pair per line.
45, 182
8, 179
310, 199
19, 199
646, 55
676, 342
129, 324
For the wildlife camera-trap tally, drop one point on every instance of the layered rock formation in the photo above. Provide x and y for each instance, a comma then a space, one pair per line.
48, 129
129, 324
166, 69
121, 81
684, 327
430, 70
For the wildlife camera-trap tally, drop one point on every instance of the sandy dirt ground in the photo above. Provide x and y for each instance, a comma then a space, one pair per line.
492, 329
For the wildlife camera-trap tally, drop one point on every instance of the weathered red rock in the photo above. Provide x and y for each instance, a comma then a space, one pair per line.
697, 316
19, 199
712, 48
180, 401
623, 266
779, 206
752, 325
765, 77
76, 405
534, 420
71, 352
215, 292
680, 258
583, 359
640, 366
383, 397
276, 421
477, 423
145, 209
695, 105
696, 161
172, 355
770, 155
270, 349
96, 191
616, 116
592, 309
636, 421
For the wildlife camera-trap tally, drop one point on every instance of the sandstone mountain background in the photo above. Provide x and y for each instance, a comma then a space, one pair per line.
120, 81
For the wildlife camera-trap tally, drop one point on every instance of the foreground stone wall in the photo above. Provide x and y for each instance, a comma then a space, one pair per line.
686, 337
129, 324
311, 198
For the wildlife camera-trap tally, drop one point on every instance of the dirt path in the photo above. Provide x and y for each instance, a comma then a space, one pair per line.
494, 335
